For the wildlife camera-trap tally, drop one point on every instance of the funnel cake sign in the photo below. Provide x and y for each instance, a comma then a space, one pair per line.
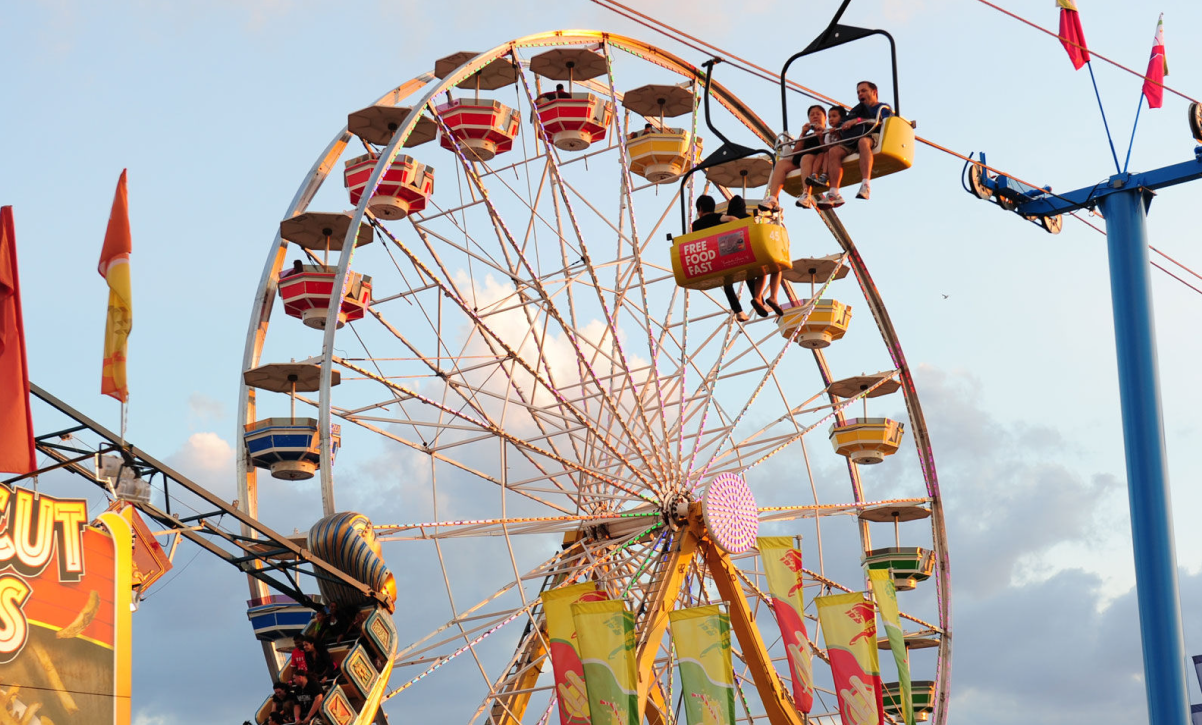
64, 612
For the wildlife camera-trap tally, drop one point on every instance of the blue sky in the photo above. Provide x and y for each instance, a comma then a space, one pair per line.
219, 108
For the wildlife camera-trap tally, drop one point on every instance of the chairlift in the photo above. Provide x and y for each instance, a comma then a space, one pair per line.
893, 138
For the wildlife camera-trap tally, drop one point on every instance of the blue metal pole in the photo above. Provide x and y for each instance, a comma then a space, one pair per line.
1147, 480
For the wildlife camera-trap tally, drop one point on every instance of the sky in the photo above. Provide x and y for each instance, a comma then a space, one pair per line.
219, 108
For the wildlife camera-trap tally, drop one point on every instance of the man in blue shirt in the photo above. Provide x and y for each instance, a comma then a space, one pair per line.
860, 120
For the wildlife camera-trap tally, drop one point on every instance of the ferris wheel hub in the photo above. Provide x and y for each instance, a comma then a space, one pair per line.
731, 518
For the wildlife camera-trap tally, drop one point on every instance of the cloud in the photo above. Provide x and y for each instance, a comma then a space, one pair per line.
207, 459
203, 409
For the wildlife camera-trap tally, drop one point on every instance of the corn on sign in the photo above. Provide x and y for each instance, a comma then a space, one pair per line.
65, 591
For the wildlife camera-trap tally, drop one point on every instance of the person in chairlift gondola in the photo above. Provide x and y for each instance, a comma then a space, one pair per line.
559, 92
736, 209
282, 701
860, 121
805, 156
706, 218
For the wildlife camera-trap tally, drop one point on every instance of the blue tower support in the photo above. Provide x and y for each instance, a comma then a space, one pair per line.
1124, 200
1147, 478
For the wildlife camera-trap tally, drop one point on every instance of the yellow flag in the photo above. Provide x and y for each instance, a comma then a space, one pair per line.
702, 639
114, 267
782, 565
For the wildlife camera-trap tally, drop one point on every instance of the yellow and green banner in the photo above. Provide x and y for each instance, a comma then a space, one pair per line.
782, 564
605, 635
565, 652
848, 624
885, 594
702, 639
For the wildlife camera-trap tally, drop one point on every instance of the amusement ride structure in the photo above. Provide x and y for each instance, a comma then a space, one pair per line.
517, 339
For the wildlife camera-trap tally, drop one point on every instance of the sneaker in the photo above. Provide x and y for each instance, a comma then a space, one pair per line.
769, 204
864, 191
819, 183
834, 198
822, 202
805, 201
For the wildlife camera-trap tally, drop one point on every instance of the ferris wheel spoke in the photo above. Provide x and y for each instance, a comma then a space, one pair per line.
513, 354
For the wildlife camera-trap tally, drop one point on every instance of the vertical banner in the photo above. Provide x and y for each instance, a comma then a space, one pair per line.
66, 590
114, 267
885, 594
605, 633
702, 639
848, 624
782, 565
16, 420
565, 652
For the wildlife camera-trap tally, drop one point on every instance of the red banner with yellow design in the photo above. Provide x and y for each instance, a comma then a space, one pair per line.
565, 649
848, 624
782, 564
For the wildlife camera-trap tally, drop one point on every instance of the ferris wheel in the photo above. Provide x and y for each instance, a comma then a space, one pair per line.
539, 402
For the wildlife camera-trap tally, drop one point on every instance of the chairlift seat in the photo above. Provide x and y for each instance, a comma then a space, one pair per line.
892, 151
482, 127
866, 440
574, 120
289, 447
306, 295
730, 252
826, 322
662, 156
404, 190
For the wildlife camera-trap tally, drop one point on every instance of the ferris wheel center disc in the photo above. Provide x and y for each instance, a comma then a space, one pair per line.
728, 509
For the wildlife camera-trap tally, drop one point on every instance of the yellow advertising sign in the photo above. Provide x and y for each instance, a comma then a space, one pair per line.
65, 591
782, 564
565, 650
885, 593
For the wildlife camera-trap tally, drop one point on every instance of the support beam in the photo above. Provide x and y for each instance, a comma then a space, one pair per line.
660, 601
776, 701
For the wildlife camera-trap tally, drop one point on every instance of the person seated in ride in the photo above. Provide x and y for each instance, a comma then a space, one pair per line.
806, 153
319, 665
857, 129
559, 92
819, 180
297, 268
297, 657
736, 209
282, 701
308, 699
707, 217
337, 623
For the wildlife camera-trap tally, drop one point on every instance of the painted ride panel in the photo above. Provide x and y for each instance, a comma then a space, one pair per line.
908, 564
892, 151
730, 252
575, 121
661, 156
867, 440
306, 295
404, 190
828, 322
289, 447
483, 128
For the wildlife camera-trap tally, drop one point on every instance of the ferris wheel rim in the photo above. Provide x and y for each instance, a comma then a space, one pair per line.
321, 169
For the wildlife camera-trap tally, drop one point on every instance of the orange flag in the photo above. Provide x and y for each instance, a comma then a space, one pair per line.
16, 421
114, 267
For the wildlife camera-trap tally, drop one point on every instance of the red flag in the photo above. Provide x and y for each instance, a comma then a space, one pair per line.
16, 419
114, 267
1158, 68
1072, 37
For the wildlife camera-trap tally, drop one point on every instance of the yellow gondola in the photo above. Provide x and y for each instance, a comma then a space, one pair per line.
730, 252
892, 151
